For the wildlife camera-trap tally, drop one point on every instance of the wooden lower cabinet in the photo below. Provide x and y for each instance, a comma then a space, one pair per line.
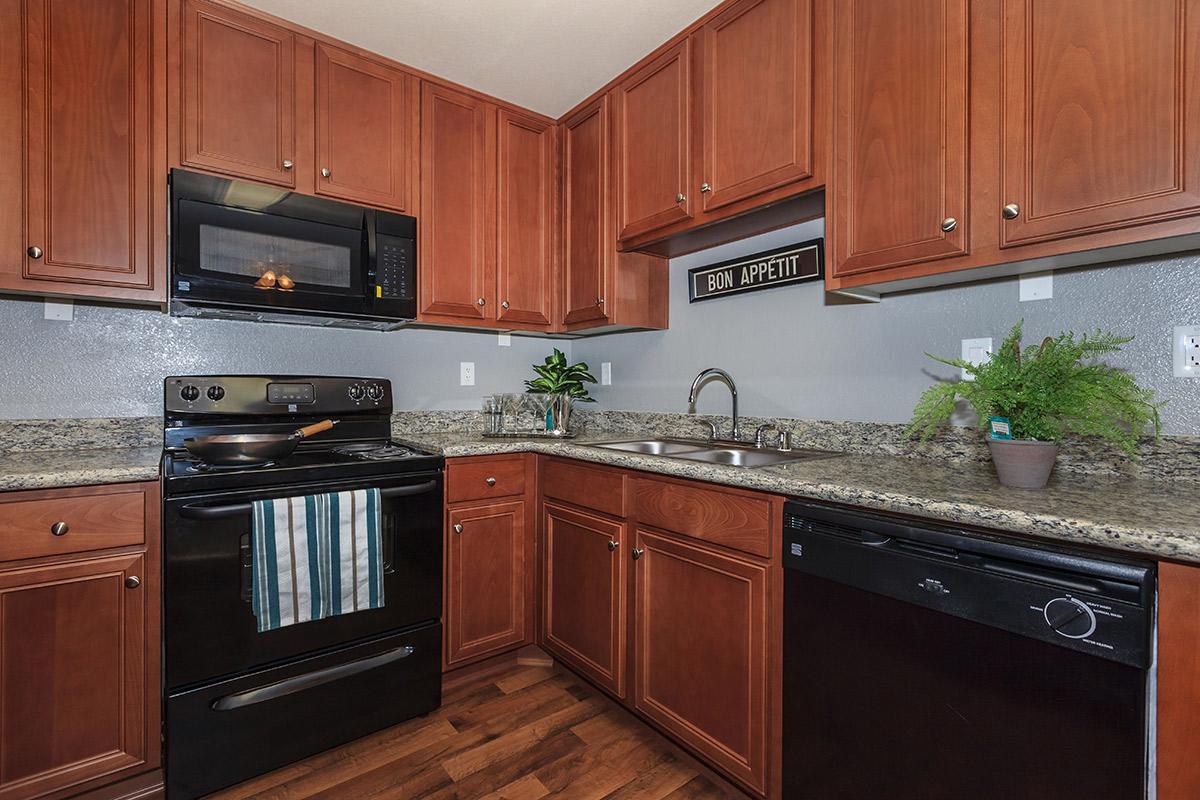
1178, 681
583, 597
486, 604
701, 651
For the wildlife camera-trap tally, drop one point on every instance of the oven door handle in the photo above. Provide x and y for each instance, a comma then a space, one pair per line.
216, 512
309, 680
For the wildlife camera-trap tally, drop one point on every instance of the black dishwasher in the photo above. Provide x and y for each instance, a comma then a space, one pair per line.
922, 663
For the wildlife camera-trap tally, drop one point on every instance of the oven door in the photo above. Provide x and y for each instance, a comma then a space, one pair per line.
209, 626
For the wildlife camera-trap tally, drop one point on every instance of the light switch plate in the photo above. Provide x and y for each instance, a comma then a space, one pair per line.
976, 351
1185, 351
59, 310
466, 373
504, 339
1036, 286
606, 373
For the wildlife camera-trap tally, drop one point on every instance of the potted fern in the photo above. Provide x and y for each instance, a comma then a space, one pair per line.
563, 383
1030, 400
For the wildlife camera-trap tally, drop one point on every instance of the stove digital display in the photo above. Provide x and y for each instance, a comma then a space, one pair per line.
291, 393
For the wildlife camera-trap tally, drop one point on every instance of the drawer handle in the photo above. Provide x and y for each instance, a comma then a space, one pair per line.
132, 582
458, 527
490, 481
60, 528
637, 553
611, 545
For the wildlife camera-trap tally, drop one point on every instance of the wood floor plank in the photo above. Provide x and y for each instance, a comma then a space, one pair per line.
527, 788
656, 784
525, 676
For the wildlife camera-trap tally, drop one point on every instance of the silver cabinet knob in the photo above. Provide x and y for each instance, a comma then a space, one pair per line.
458, 527
287, 163
132, 582
490, 481
704, 187
34, 251
637, 553
325, 173
479, 302
949, 224
60, 528
611, 546
679, 198
504, 304
1011, 211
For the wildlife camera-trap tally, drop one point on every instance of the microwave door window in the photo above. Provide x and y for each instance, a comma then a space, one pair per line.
275, 262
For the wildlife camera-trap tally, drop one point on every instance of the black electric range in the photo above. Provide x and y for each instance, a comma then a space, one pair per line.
240, 702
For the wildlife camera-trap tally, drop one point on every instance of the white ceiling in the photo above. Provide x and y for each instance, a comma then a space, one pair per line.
546, 55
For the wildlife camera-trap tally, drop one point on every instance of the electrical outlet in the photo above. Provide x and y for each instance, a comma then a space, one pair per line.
466, 373
975, 351
606, 373
1185, 351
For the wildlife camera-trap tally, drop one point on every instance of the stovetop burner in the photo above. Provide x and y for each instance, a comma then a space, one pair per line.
370, 451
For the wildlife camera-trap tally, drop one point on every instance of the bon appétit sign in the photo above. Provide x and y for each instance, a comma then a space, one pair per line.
782, 266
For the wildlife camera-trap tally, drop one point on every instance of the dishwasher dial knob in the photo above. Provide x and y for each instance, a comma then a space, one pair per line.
356, 392
1070, 618
189, 393
375, 392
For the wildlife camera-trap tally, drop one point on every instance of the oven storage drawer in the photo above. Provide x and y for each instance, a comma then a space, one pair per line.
66, 521
221, 733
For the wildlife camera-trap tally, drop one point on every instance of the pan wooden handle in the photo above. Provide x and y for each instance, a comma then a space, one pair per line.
315, 428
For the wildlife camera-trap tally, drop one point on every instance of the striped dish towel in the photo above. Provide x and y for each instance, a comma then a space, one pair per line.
316, 556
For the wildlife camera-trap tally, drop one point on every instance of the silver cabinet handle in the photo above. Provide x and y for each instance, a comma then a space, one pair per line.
34, 251
679, 198
325, 173
60, 528
704, 187
1011, 211
599, 301
504, 304
132, 582
458, 527
490, 481
611, 545
480, 301
287, 163
949, 224
637, 553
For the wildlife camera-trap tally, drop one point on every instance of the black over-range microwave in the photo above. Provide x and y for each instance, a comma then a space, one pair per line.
253, 252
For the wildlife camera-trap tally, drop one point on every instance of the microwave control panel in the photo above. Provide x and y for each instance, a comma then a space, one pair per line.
394, 270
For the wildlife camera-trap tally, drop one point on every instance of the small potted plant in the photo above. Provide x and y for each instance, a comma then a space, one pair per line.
563, 383
1030, 400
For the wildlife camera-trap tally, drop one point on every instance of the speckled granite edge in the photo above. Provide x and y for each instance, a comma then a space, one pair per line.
29, 435
45, 469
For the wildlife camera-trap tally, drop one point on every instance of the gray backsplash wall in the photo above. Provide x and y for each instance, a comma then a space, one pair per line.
110, 362
794, 356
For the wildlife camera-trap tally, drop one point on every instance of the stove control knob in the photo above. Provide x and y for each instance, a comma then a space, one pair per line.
375, 392
189, 393
1070, 618
356, 392
215, 393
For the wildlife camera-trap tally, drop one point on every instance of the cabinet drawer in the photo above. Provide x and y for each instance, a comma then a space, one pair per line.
739, 520
485, 479
94, 519
599, 488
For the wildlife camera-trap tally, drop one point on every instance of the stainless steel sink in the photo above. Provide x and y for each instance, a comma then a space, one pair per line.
717, 453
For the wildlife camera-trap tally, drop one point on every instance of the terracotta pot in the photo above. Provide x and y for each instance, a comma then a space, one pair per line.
1023, 463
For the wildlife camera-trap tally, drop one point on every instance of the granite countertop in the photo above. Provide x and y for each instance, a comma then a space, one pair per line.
44, 469
1155, 518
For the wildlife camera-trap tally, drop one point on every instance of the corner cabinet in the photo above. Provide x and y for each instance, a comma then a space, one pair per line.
85, 200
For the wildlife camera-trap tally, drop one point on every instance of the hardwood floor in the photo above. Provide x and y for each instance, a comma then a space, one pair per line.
523, 734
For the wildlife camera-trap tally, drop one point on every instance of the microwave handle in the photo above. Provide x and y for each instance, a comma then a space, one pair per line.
216, 512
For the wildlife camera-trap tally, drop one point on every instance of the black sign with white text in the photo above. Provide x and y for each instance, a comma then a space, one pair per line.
783, 266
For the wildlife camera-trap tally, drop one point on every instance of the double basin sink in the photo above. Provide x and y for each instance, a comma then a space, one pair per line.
718, 452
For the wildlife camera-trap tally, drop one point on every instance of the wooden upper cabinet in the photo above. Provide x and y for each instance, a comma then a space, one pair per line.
588, 241
756, 100
526, 219
89, 155
653, 112
486, 609
701, 651
72, 674
238, 95
368, 118
583, 593
900, 179
457, 232
1100, 117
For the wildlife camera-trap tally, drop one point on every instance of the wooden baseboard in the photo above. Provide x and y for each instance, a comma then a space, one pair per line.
533, 656
147, 786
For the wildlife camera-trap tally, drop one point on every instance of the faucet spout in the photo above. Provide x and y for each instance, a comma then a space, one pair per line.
727, 379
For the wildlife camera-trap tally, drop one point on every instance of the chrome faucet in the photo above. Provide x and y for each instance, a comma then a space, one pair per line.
735, 432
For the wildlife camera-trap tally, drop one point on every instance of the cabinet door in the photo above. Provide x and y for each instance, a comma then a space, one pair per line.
583, 596
72, 675
1101, 115
653, 141
756, 99
588, 242
526, 219
367, 127
701, 651
239, 100
89, 151
900, 132
486, 609
457, 227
